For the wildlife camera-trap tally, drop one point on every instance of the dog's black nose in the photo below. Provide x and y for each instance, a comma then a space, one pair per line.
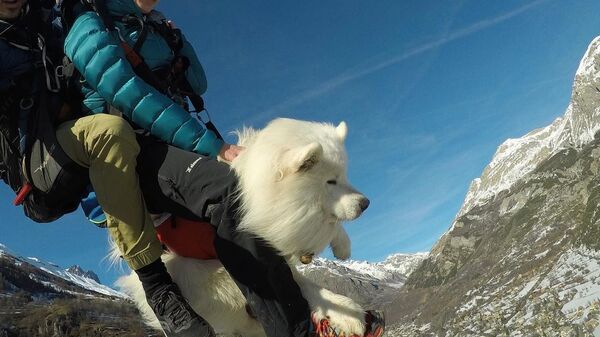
364, 204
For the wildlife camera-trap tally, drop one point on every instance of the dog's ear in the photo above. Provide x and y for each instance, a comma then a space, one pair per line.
301, 159
342, 130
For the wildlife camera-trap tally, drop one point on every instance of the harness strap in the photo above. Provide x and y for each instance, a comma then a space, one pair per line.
208, 122
18, 38
22, 194
52, 80
132, 56
143, 33
99, 7
137, 62
25, 123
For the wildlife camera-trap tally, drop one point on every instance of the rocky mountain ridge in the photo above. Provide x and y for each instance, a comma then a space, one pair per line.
77, 270
54, 277
515, 158
522, 255
38, 299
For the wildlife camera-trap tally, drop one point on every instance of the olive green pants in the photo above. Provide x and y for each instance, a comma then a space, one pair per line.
107, 145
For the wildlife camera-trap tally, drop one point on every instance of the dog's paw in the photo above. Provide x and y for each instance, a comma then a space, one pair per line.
342, 323
343, 314
341, 246
342, 253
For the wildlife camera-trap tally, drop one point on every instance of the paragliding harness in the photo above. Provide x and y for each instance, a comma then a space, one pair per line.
47, 182
170, 80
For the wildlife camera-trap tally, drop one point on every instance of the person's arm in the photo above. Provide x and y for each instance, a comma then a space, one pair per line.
97, 55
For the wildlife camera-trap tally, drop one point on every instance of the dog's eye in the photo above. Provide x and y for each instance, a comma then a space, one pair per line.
332, 182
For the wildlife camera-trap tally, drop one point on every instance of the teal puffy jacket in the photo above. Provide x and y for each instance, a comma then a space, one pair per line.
109, 78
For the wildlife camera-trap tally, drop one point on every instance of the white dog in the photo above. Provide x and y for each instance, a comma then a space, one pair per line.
295, 194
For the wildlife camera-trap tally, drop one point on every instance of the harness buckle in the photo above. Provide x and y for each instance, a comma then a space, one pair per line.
26, 103
199, 116
68, 68
59, 71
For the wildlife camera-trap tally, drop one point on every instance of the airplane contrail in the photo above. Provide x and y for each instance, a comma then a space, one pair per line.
343, 78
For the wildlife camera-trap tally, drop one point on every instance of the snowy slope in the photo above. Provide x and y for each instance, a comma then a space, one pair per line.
371, 284
51, 268
571, 289
393, 270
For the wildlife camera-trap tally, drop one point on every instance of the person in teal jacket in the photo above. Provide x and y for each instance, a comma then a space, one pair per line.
171, 180
110, 79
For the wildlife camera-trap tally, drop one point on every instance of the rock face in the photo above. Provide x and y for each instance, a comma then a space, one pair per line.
522, 257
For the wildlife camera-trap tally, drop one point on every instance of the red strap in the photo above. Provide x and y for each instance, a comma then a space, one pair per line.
23, 192
188, 238
131, 55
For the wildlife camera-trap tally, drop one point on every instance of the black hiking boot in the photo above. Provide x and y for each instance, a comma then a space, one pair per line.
175, 315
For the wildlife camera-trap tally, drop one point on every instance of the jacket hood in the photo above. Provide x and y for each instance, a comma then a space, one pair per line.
122, 7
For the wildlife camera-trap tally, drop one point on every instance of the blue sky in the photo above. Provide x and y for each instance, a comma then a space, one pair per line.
429, 90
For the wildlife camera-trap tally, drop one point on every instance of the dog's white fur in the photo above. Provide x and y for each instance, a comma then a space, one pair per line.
294, 194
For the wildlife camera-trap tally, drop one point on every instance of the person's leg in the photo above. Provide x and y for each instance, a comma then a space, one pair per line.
107, 146
184, 183
189, 185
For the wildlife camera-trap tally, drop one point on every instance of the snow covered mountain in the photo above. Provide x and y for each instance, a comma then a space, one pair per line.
522, 257
26, 283
72, 280
516, 158
77, 270
39, 299
370, 284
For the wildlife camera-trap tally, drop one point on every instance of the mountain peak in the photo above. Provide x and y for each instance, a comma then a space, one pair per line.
77, 270
50, 275
517, 157
524, 249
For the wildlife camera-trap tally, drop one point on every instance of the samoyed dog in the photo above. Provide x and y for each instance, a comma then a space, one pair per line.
294, 194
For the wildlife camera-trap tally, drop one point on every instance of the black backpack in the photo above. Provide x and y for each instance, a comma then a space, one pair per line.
47, 182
